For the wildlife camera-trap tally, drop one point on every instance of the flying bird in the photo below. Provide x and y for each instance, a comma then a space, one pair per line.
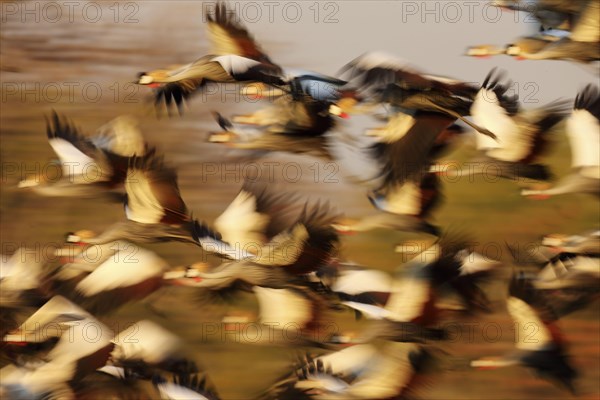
235, 58
88, 165
583, 131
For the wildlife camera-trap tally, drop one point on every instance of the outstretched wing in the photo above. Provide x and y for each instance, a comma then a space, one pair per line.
121, 136
229, 36
255, 215
77, 154
583, 128
152, 192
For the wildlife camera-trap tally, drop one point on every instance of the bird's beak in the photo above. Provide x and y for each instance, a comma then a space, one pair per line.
73, 239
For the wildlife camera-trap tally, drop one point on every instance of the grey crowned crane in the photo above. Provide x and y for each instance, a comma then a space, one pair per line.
522, 133
576, 272
301, 118
88, 165
294, 315
568, 31
557, 246
131, 273
358, 372
23, 284
523, 45
76, 354
281, 236
447, 263
581, 45
393, 81
296, 121
394, 167
583, 130
352, 282
585, 244
543, 351
304, 246
236, 57
146, 347
156, 212
571, 281
403, 208
556, 14
143, 352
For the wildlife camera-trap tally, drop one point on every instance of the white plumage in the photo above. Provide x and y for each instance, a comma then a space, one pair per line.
583, 130
532, 334
125, 268
146, 341
240, 224
283, 308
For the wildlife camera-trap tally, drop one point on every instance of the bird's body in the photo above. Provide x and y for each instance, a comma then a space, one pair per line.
583, 130
544, 351
569, 31
89, 166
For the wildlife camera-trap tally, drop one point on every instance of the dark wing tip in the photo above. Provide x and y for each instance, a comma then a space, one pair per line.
589, 99
202, 230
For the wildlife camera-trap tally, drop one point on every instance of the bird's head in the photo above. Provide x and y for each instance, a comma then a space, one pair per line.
186, 276
512, 50
554, 240
80, 236
146, 79
75, 244
483, 51
337, 111
222, 137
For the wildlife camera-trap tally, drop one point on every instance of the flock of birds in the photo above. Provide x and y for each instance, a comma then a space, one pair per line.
284, 248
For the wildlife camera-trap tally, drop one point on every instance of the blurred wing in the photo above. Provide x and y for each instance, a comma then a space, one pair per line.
283, 307
121, 136
488, 113
533, 334
474, 263
256, 215
583, 128
408, 156
123, 271
388, 376
380, 69
369, 310
152, 193
240, 223
229, 36
410, 297
403, 200
587, 28
286, 248
354, 156
146, 341
362, 281
76, 153
172, 391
